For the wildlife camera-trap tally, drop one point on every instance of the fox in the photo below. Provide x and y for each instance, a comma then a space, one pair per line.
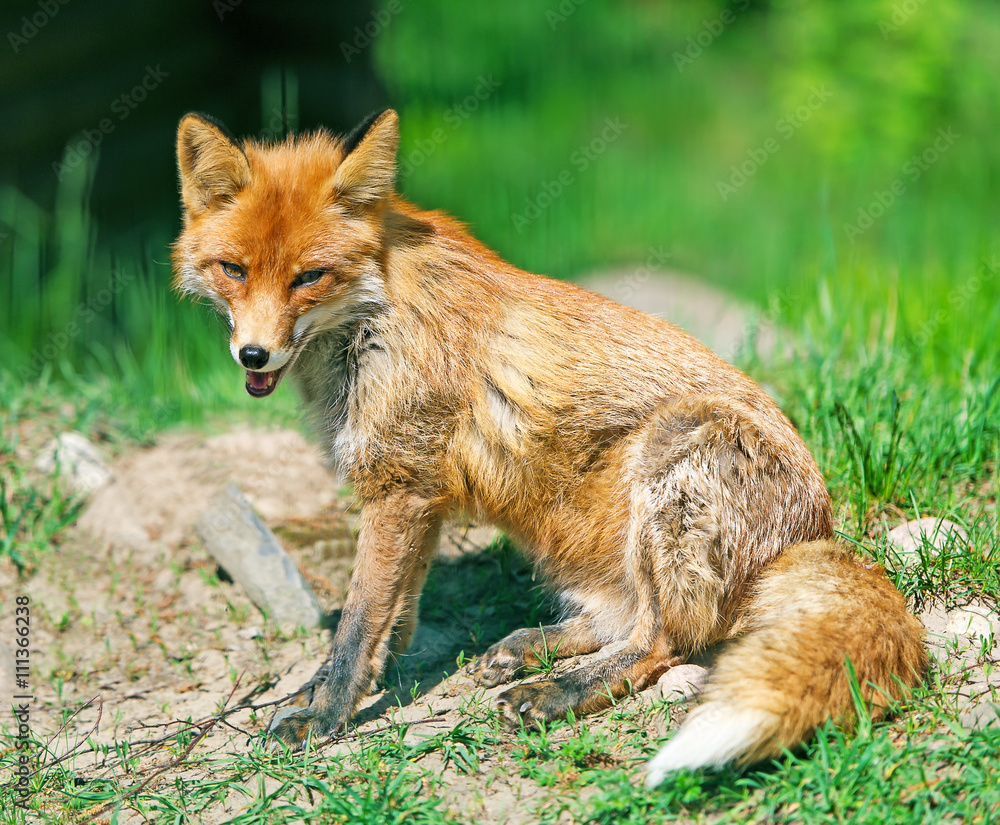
666, 499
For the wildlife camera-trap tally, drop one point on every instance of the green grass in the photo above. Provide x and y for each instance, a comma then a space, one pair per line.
925, 768
31, 518
838, 779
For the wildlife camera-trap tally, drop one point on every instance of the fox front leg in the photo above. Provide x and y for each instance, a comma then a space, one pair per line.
398, 534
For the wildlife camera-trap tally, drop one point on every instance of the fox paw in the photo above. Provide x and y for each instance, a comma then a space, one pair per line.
533, 702
292, 726
500, 663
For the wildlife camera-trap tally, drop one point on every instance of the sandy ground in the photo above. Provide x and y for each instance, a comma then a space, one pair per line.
139, 632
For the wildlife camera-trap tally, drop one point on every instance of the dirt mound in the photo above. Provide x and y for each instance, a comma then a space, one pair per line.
156, 495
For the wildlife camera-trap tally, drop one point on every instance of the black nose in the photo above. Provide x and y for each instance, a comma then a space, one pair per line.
253, 357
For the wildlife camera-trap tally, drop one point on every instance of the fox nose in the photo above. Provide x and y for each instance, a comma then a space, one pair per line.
253, 357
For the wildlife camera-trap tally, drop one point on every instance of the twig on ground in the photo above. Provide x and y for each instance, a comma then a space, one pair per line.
136, 790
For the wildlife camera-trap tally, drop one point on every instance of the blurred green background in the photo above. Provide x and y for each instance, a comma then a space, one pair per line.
841, 154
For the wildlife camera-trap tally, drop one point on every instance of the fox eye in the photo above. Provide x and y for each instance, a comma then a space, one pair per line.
306, 278
234, 271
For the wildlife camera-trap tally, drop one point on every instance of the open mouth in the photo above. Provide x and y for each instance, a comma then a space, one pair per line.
261, 384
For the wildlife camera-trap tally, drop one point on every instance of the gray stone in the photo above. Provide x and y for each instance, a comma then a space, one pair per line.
76, 460
960, 628
716, 318
157, 494
682, 683
926, 535
250, 553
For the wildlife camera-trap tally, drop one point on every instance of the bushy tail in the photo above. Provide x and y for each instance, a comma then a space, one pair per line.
814, 607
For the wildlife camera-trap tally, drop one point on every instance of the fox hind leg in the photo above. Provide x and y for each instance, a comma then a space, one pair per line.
711, 502
587, 689
517, 653
646, 653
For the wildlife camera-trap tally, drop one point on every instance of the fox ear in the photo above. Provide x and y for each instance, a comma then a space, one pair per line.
212, 166
368, 171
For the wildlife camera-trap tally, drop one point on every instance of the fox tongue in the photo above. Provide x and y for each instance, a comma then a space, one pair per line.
259, 380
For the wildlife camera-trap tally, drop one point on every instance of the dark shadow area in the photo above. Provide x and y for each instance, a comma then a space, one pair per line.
468, 603
113, 78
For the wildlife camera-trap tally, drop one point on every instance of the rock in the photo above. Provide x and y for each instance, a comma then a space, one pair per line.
76, 460
682, 683
927, 535
157, 494
715, 317
250, 553
960, 628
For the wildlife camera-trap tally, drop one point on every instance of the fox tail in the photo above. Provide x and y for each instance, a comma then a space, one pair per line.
814, 608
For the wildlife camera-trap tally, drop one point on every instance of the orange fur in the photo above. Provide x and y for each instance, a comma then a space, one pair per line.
651, 482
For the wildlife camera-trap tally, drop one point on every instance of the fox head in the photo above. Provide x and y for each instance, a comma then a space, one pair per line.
283, 238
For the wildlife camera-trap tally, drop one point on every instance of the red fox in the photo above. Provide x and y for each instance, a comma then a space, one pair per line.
662, 493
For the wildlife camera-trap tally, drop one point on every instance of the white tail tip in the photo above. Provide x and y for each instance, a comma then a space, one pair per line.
711, 736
